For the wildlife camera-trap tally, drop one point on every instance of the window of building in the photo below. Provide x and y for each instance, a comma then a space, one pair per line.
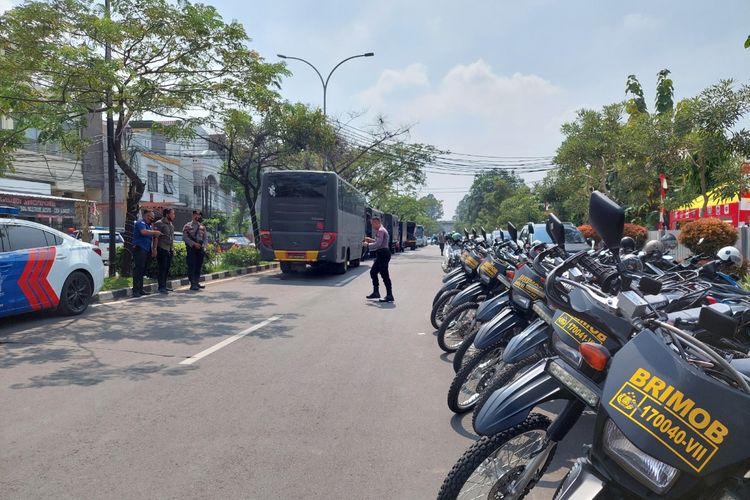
153, 181
168, 184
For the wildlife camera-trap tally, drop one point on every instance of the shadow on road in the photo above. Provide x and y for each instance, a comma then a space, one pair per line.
78, 341
446, 357
314, 277
461, 423
381, 305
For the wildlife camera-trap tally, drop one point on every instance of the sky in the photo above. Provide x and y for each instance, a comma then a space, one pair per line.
491, 77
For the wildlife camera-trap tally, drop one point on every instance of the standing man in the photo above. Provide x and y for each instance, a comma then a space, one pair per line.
164, 246
194, 234
441, 241
380, 248
142, 248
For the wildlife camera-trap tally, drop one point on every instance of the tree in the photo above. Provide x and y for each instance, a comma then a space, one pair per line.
522, 207
168, 59
708, 141
487, 192
432, 206
284, 136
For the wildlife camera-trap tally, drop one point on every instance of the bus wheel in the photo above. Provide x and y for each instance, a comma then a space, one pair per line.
286, 267
341, 267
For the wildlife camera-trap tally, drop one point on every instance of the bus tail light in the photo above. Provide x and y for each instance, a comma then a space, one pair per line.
327, 240
265, 239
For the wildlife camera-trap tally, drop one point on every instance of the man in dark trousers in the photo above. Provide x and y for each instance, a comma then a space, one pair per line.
142, 247
379, 246
164, 246
194, 235
441, 241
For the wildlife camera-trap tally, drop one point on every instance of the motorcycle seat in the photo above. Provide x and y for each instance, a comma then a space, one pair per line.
742, 365
692, 315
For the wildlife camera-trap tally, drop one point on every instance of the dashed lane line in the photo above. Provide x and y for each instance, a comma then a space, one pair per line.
226, 342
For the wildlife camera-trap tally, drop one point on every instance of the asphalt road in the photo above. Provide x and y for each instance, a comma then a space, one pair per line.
264, 386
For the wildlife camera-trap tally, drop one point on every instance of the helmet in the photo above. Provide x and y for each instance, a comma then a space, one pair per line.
456, 237
654, 249
627, 245
730, 255
632, 263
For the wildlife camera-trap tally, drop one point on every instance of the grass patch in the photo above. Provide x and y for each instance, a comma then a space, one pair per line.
118, 282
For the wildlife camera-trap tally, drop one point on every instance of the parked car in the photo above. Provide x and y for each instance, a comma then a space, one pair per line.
238, 239
574, 239
99, 237
41, 268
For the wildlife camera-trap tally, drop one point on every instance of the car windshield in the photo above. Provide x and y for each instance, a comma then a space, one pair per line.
572, 234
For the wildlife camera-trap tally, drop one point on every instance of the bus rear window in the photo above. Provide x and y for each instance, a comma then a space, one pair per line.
297, 186
296, 202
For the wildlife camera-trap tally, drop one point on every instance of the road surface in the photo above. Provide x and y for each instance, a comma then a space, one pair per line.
265, 386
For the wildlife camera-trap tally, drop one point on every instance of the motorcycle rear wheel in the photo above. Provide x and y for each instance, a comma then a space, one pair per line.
490, 467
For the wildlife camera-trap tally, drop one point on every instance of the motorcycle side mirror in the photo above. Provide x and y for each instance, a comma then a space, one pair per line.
717, 323
474, 231
556, 230
484, 233
530, 227
466, 233
512, 232
649, 286
607, 218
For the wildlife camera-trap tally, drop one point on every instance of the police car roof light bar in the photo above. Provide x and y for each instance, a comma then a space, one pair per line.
4, 210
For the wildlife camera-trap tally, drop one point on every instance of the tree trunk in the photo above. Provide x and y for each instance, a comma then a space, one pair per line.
250, 199
135, 193
704, 188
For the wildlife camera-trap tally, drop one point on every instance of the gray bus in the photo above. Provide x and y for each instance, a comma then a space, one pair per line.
310, 217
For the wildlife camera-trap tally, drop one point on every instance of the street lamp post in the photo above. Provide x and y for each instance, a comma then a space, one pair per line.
322, 81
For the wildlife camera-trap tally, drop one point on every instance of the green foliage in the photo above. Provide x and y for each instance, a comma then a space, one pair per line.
715, 233
238, 256
425, 211
178, 268
664, 92
217, 224
747, 43
487, 192
637, 103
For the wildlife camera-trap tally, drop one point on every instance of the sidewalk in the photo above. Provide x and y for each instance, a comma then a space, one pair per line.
123, 293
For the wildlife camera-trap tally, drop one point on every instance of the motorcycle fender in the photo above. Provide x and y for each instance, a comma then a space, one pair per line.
468, 294
511, 405
498, 327
527, 342
582, 483
453, 283
491, 307
449, 276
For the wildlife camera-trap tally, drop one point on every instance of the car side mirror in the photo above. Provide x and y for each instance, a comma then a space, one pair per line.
608, 219
556, 230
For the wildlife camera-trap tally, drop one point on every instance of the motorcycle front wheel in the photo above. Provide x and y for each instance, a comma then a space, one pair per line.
456, 325
441, 307
492, 465
473, 377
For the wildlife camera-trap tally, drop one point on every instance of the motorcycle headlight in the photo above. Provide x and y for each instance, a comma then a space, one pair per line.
652, 473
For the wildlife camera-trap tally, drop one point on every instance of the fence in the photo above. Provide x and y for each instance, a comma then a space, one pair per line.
681, 252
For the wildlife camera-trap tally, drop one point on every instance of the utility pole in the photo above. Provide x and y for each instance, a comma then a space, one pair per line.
110, 160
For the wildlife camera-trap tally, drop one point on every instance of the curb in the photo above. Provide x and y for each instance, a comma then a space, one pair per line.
124, 293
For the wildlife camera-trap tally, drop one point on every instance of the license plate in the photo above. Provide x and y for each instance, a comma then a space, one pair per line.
296, 255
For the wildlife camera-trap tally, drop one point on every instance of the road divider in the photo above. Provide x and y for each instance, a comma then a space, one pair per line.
226, 342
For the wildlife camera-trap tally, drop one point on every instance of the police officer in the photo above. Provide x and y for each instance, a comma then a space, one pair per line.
379, 246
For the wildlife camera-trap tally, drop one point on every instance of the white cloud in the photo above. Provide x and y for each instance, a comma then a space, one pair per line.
639, 22
475, 89
5, 5
390, 80
473, 109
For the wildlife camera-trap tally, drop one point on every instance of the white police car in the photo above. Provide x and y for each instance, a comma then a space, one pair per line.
41, 268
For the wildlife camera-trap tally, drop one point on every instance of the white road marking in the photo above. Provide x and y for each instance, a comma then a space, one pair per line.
421, 333
226, 342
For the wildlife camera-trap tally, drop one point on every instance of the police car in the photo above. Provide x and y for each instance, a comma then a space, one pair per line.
41, 268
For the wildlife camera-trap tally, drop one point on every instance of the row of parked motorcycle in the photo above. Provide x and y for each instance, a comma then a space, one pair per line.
658, 350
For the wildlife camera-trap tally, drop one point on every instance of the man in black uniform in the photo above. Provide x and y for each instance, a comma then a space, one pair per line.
380, 247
